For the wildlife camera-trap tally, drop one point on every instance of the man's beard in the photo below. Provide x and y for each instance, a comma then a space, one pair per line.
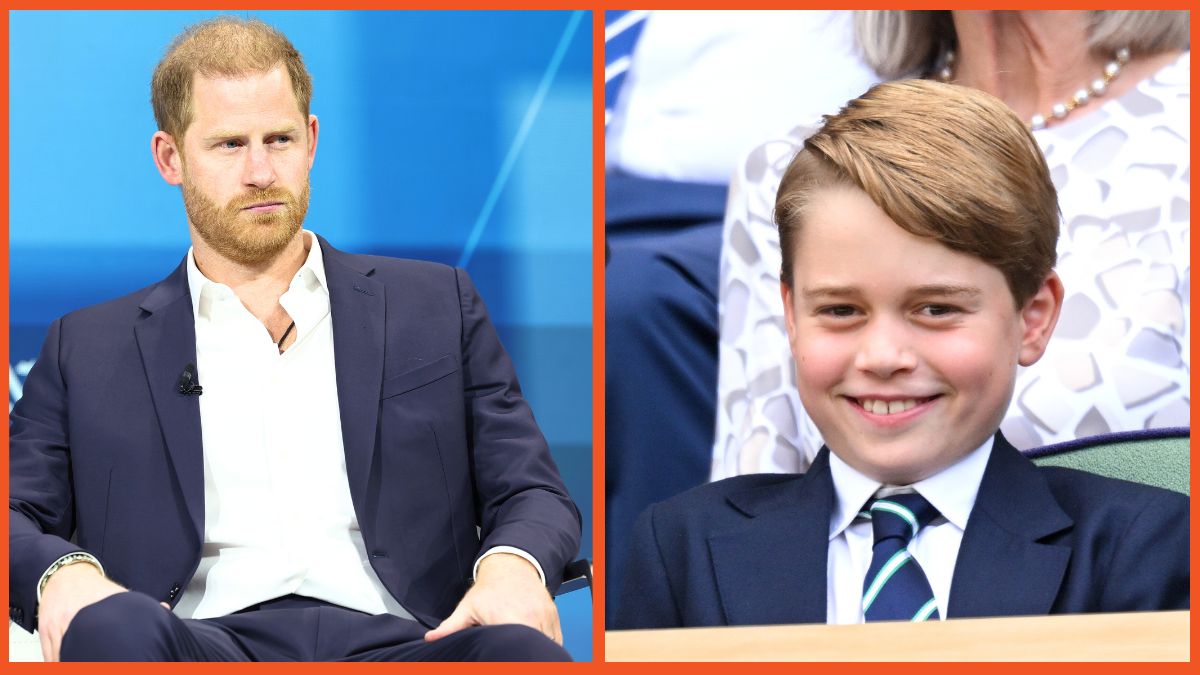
246, 238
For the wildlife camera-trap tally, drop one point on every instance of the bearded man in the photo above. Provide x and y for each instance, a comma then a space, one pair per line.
281, 451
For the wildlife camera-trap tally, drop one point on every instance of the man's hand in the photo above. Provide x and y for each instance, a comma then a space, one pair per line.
69, 590
507, 590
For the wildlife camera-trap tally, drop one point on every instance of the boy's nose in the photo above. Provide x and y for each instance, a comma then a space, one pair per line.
885, 348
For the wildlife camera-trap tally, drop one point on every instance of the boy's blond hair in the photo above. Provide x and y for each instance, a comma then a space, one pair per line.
944, 162
225, 46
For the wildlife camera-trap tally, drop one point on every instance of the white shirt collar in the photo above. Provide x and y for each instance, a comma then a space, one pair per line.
952, 491
204, 290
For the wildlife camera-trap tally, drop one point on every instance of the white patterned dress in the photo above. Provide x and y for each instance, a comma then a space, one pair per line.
1119, 358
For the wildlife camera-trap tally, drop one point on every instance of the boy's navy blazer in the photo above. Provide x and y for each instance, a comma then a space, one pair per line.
443, 456
753, 550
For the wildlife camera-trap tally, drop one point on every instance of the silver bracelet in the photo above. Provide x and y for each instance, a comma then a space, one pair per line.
68, 559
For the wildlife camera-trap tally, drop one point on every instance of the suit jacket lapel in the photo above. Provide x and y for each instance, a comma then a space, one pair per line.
357, 307
166, 339
1002, 569
773, 569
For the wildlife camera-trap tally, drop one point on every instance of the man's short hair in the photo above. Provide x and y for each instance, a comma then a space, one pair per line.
226, 46
945, 162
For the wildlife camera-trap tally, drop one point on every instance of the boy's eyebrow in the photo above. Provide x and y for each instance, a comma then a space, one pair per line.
942, 290
948, 290
828, 292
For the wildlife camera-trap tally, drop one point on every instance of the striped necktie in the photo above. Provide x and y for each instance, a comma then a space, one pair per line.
895, 588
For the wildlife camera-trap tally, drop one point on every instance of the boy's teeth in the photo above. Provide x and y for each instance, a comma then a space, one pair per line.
879, 407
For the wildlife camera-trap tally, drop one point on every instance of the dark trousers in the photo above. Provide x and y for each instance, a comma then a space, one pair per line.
134, 627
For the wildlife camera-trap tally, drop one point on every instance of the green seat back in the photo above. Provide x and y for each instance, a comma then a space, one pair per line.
1160, 458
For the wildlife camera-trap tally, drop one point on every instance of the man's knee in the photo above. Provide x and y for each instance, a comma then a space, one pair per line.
122, 627
514, 642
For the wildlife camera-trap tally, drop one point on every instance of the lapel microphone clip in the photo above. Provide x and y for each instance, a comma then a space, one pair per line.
189, 384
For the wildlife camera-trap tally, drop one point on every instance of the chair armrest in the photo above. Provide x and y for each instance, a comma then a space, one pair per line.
576, 575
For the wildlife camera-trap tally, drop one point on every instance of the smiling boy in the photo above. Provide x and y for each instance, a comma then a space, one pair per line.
918, 230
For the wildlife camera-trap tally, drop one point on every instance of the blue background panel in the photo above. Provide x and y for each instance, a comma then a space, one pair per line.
459, 137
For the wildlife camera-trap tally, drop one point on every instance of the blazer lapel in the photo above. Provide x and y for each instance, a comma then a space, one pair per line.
357, 308
1002, 569
772, 570
166, 340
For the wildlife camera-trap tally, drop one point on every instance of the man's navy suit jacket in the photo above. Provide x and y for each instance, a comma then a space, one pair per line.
443, 455
753, 550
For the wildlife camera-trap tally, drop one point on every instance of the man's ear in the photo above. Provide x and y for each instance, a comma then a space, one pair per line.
313, 127
1038, 318
167, 157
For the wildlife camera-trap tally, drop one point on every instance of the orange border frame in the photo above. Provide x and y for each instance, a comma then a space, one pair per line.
598, 286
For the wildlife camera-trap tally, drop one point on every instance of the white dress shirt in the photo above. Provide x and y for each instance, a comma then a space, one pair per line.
951, 491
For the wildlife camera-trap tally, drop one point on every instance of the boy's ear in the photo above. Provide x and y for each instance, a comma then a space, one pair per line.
1038, 318
789, 315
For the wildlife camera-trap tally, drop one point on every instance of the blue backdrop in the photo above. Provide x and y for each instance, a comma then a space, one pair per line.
460, 137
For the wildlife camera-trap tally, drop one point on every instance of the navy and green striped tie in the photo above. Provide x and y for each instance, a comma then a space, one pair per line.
896, 588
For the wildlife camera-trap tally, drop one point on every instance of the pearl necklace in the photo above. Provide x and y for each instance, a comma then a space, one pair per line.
1059, 111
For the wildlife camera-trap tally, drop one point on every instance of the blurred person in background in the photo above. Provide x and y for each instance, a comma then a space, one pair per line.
689, 93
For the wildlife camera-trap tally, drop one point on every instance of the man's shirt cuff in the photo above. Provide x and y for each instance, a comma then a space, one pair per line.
515, 551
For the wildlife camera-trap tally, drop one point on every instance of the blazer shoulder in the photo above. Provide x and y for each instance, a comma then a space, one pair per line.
1084, 493
405, 270
410, 276
122, 309
1129, 543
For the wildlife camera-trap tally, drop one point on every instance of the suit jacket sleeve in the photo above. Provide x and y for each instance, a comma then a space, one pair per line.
520, 496
41, 506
